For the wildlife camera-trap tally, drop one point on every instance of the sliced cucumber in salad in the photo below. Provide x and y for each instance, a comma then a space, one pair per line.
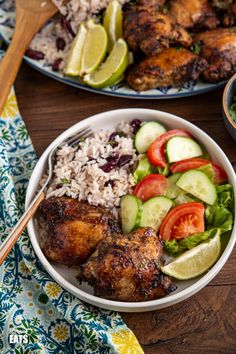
180, 148
146, 135
173, 191
199, 185
131, 211
154, 212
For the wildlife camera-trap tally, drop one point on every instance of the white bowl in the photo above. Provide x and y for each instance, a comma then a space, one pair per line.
65, 276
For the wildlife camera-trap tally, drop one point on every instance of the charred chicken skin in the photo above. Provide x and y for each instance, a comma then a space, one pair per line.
150, 4
218, 47
172, 67
127, 267
194, 13
74, 229
151, 31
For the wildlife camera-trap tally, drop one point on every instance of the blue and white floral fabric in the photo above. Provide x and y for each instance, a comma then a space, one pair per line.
34, 309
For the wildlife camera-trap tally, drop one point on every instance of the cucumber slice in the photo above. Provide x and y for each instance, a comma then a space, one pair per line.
173, 191
181, 148
154, 212
174, 178
131, 211
146, 135
144, 168
198, 184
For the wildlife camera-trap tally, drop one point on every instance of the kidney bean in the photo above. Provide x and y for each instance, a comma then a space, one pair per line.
110, 164
56, 64
124, 159
67, 26
135, 124
60, 43
34, 54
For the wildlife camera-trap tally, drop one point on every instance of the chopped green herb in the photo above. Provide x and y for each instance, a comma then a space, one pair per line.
164, 9
113, 143
64, 181
81, 140
179, 48
196, 47
122, 135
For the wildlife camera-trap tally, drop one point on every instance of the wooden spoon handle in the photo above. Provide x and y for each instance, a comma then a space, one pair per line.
11, 62
20, 226
27, 25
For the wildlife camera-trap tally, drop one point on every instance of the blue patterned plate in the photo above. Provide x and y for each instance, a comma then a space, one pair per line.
120, 90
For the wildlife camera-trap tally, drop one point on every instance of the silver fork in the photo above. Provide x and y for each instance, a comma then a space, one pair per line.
10, 241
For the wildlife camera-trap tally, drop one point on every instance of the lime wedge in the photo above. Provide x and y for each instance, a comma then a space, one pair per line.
195, 261
112, 69
95, 48
112, 22
73, 64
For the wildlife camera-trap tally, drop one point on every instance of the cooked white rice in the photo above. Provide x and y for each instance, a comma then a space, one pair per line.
79, 10
77, 171
74, 11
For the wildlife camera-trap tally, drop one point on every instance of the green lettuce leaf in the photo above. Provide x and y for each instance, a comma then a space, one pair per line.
174, 247
208, 170
220, 214
225, 196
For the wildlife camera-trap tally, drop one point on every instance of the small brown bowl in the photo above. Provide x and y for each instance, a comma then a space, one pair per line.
229, 92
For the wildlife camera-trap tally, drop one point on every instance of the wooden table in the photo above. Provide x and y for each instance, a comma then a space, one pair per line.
206, 322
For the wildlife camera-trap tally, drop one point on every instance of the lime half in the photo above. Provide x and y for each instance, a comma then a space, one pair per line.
73, 64
95, 48
112, 69
112, 22
195, 261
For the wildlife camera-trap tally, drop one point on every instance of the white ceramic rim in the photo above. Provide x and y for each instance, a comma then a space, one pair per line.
171, 120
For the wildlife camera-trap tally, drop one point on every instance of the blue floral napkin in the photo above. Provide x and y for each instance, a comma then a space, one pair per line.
36, 314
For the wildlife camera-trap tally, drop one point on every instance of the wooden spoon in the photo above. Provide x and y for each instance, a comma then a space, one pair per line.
30, 17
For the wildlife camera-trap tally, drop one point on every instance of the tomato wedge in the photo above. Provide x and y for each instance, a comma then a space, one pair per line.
189, 164
183, 221
156, 151
151, 186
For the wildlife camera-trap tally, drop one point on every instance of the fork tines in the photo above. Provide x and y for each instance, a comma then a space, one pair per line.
83, 133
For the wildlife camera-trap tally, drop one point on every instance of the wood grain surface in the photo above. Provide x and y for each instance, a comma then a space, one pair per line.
206, 322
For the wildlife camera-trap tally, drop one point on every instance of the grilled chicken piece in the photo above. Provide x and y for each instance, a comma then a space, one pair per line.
172, 67
74, 229
152, 31
228, 15
193, 13
222, 4
127, 267
219, 48
150, 4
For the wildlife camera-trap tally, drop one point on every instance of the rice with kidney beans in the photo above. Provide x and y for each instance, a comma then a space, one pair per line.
99, 170
52, 44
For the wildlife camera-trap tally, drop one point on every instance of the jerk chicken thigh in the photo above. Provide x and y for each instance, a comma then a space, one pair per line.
218, 47
192, 13
74, 229
180, 41
127, 267
172, 67
151, 31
